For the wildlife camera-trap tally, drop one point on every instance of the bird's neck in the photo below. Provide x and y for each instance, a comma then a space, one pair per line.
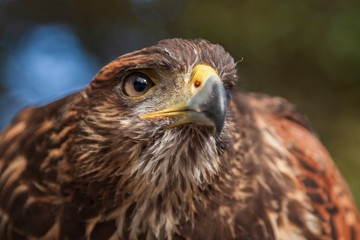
170, 176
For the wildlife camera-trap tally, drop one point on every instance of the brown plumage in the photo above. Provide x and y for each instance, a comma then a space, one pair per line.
145, 152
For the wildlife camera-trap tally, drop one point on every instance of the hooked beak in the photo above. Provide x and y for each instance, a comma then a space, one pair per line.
207, 105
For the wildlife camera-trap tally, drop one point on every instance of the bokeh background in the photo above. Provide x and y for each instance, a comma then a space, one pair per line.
304, 50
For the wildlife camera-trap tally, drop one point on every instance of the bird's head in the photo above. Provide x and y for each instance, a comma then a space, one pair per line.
177, 82
163, 107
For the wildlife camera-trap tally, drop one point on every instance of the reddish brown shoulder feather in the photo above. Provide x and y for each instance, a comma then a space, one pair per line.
317, 174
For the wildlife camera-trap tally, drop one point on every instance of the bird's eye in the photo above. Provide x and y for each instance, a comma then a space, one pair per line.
136, 84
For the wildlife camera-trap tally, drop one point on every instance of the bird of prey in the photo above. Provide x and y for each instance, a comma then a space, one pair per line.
160, 146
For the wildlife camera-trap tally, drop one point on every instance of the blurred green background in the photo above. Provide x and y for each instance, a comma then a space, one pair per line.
306, 51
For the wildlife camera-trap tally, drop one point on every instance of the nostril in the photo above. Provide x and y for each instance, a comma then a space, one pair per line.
197, 84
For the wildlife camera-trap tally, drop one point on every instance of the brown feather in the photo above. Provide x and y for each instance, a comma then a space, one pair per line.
87, 167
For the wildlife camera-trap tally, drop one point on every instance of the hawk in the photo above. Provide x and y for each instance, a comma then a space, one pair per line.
159, 146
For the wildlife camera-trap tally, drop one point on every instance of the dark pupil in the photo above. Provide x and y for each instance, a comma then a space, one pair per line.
140, 84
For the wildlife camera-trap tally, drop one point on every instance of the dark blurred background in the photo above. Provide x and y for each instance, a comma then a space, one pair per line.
304, 50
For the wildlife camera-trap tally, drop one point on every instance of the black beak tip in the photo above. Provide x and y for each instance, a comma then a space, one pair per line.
211, 101
218, 107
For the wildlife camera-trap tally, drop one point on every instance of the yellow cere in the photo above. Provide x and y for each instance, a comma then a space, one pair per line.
199, 74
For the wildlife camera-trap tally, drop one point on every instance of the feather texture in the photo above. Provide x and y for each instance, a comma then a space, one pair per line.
87, 167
